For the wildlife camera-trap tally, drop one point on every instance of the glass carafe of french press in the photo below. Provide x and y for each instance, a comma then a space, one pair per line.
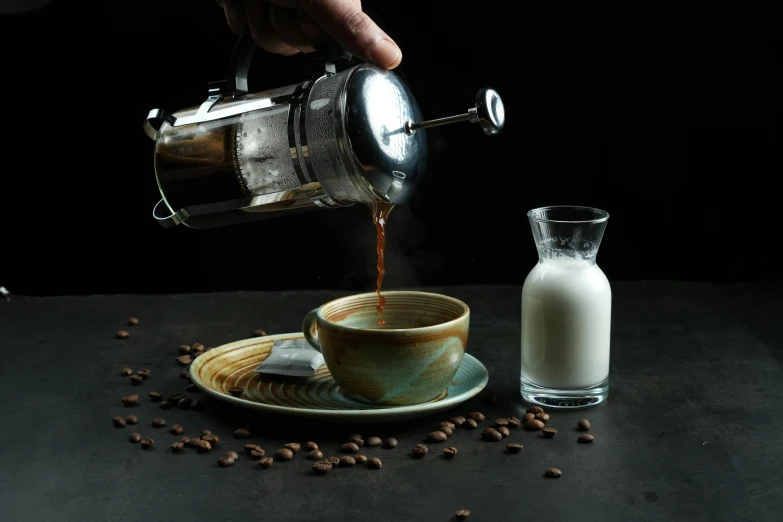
347, 135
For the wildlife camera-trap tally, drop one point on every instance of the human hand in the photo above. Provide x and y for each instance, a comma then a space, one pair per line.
290, 26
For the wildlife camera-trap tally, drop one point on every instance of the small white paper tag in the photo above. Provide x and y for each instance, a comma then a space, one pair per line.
293, 357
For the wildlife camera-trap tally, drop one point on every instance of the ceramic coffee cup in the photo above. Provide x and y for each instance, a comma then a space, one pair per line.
409, 360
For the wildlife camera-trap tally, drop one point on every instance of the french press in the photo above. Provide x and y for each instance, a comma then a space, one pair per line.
348, 134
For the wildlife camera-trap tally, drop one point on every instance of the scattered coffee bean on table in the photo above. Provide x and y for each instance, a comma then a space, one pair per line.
133, 321
419, 450
534, 425
146, 443
549, 432
165, 405
447, 424
514, 448
390, 443
311, 446
477, 416
196, 405
349, 447
583, 424
177, 430
542, 416
250, 447
144, 374
374, 441
315, 455
436, 436
204, 433
355, 436
177, 447
213, 440
513, 422
197, 347
225, 461
528, 416
185, 374
122, 334
450, 452
503, 431
258, 453
462, 514
130, 400
203, 446
242, 433
585, 439
131, 419
184, 349
535, 409
470, 424
134, 437
185, 440
184, 360
193, 442
322, 467
359, 442
553, 473
266, 462
374, 463
491, 435
457, 421
334, 461
156, 396
293, 446
236, 391
502, 421
193, 388
232, 454
346, 461
258, 333
184, 403
448, 431
126, 372
136, 379
284, 454
119, 422
157, 422
360, 459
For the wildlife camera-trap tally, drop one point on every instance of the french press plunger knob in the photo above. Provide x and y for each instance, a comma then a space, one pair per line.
488, 112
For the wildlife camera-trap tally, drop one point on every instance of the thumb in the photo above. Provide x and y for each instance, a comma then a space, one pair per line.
345, 21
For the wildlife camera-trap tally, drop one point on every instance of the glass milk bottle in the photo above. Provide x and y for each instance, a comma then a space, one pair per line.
566, 311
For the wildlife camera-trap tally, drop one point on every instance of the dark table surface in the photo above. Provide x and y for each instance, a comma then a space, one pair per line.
692, 429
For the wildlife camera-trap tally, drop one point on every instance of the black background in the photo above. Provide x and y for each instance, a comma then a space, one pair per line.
670, 121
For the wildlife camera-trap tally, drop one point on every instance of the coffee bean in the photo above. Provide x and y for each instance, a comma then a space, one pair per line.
293, 446
157, 422
360, 459
144, 374
193, 388
134, 437
583, 424
534, 425
374, 442
447, 424
549, 432
450, 452
185, 374
477, 416
146, 443
258, 453
470, 424
184, 349
131, 419
225, 461
197, 347
528, 416
502, 421
390, 443
334, 461
357, 441
155, 396
349, 447
437, 436
311, 446
185, 441
177, 430
374, 463
462, 514
457, 421
136, 379
553, 473
514, 448
258, 333
355, 436
204, 433
165, 405
491, 435
122, 334
543, 417
504, 431
419, 450
346, 461
184, 403
193, 442
130, 400
535, 409
266, 462
236, 391
184, 360
196, 405
119, 422
585, 439
177, 447
203, 446
232, 454
251, 447
284, 454
315, 455
126, 372
242, 433
322, 467
213, 440
513, 422
133, 321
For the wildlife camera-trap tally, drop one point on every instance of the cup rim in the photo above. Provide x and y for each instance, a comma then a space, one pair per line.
388, 331
602, 214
